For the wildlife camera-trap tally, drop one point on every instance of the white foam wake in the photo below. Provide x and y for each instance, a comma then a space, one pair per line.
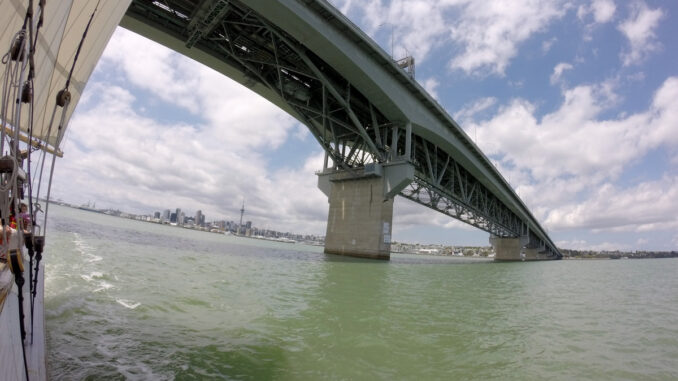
94, 275
128, 303
103, 286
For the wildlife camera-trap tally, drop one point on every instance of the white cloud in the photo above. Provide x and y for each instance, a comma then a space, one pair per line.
154, 68
570, 157
491, 31
470, 110
602, 10
213, 97
639, 29
639, 76
345, 5
585, 245
301, 132
558, 71
648, 206
547, 44
431, 84
416, 26
408, 214
603, 146
487, 33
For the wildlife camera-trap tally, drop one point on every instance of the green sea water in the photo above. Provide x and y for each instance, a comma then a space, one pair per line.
133, 300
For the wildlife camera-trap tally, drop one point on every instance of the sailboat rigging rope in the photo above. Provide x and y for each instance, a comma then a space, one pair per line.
17, 88
42, 162
51, 169
12, 84
63, 100
82, 40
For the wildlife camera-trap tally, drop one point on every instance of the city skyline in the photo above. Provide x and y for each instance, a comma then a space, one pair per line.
574, 101
247, 229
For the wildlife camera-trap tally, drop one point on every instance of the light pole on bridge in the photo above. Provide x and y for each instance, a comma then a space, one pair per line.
391, 24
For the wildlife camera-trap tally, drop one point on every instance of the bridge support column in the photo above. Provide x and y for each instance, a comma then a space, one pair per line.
359, 222
507, 249
517, 249
535, 254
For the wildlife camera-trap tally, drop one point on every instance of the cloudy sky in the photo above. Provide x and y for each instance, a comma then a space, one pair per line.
575, 101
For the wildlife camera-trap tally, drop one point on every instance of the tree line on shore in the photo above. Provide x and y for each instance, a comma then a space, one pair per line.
617, 254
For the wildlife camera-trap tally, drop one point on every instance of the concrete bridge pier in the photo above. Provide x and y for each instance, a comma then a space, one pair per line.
507, 249
359, 222
535, 254
517, 249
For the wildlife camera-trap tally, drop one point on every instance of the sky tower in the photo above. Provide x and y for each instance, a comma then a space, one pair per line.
242, 212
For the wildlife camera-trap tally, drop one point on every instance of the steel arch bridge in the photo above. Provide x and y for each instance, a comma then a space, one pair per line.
360, 105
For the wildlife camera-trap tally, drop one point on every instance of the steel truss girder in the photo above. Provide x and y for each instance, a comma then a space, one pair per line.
497, 221
444, 185
335, 112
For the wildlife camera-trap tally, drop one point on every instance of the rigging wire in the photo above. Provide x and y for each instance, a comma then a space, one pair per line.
11, 84
18, 86
63, 100
18, 59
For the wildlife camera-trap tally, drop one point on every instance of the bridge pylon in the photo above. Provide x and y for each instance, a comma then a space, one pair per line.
518, 249
360, 218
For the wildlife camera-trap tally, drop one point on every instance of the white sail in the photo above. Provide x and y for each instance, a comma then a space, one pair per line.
58, 40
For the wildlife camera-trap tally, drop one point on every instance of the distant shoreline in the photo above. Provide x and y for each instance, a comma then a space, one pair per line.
436, 250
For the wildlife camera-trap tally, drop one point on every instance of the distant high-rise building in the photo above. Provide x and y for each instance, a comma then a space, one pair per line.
156, 215
166, 215
173, 218
181, 218
202, 220
198, 217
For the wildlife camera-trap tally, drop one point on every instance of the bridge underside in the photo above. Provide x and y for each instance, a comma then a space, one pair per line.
306, 58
